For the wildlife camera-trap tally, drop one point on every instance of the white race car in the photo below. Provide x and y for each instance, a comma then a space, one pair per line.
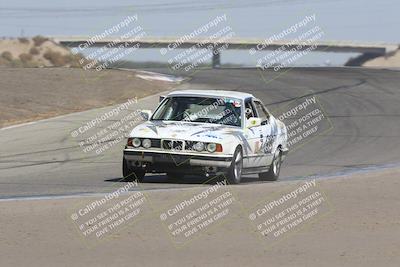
207, 132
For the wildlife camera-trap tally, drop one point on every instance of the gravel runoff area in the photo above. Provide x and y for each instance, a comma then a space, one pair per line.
28, 94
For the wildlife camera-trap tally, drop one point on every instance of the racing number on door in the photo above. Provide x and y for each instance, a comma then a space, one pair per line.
266, 135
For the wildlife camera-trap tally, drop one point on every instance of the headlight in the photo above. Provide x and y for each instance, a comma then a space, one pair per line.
146, 143
199, 146
136, 142
211, 147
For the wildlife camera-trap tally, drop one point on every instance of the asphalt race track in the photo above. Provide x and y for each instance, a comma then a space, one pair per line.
43, 159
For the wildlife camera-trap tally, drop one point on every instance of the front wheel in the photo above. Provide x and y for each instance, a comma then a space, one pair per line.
235, 170
274, 169
131, 174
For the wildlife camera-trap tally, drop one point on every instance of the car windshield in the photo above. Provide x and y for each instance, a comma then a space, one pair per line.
225, 111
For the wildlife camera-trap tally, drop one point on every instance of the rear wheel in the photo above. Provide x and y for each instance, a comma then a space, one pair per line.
235, 170
131, 174
274, 169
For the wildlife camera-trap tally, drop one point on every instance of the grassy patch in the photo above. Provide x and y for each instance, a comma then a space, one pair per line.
23, 40
7, 56
39, 40
34, 51
24, 57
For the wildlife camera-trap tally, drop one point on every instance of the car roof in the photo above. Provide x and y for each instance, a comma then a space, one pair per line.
212, 93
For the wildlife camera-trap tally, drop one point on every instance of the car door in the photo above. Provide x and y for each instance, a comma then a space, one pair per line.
267, 132
253, 155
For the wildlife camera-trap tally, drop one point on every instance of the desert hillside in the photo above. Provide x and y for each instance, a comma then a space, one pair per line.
38, 51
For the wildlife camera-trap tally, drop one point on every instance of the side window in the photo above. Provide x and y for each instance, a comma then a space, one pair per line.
249, 109
262, 113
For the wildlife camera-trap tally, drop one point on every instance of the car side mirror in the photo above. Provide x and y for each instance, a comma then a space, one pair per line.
146, 114
253, 122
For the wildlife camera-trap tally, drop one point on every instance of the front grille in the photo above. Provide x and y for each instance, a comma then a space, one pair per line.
189, 145
172, 145
177, 145
167, 144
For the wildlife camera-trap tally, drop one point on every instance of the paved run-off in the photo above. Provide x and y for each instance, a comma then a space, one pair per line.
359, 229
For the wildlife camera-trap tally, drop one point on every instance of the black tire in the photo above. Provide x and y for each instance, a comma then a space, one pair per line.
274, 169
173, 176
131, 174
234, 174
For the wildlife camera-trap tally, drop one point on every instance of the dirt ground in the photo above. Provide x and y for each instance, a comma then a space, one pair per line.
28, 94
390, 61
360, 228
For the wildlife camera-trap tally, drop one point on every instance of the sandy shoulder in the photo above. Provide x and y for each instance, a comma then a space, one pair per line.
361, 228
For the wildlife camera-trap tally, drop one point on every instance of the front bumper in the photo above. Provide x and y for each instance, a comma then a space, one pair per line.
159, 158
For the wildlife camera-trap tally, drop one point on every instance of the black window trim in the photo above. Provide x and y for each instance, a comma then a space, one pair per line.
265, 109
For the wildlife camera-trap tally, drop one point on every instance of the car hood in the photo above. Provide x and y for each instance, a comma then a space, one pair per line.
183, 130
